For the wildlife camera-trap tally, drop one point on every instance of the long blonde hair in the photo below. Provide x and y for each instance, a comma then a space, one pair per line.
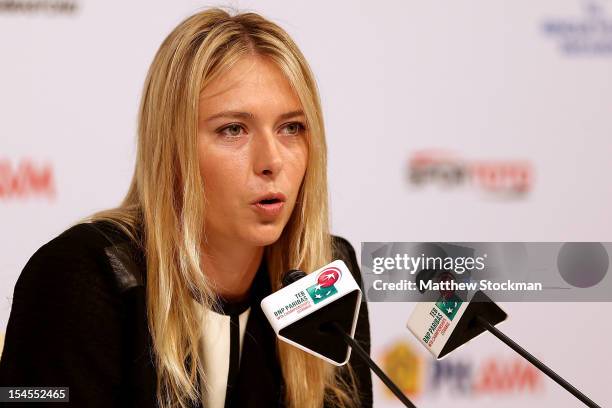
167, 199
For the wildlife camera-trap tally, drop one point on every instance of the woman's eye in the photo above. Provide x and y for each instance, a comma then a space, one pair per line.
294, 128
232, 130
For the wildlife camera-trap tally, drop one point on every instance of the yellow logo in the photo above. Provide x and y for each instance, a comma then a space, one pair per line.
404, 367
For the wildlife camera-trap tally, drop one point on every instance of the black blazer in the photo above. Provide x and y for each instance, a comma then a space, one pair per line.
78, 319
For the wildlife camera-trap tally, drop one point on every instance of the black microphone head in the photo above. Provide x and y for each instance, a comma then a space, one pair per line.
292, 275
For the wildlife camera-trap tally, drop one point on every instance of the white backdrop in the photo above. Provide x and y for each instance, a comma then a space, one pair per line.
490, 81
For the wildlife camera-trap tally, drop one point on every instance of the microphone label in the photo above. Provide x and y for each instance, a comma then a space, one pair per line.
433, 322
308, 294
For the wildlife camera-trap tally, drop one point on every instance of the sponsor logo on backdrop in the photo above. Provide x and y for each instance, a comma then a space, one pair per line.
39, 6
28, 179
419, 376
448, 170
586, 32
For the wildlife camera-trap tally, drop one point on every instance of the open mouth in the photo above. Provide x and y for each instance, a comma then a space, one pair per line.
270, 205
270, 201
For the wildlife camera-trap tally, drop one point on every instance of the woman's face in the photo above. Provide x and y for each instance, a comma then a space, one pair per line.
251, 143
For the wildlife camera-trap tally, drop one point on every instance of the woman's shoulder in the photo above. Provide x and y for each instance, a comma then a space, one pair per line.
342, 249
83, 238
342, 245
68, 298
88, 256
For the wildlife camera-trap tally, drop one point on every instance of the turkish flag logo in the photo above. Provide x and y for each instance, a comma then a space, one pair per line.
328, 277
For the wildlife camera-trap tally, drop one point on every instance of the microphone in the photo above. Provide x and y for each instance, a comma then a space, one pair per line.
449, 323
318, 312
293, 275
297, 311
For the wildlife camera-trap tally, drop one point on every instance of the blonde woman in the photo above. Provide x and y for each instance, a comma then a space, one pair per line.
156, 302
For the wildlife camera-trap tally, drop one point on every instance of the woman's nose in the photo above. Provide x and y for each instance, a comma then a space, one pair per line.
268, 159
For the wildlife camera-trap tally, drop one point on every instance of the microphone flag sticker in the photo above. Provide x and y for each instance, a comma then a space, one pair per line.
324, 287
449, 306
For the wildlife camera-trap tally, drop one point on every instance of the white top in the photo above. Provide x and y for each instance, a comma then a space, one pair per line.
216, 351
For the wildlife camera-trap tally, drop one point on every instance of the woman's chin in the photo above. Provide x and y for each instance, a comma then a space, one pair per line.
265, 235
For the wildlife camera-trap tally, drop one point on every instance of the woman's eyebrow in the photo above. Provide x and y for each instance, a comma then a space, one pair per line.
249, 115
291, 114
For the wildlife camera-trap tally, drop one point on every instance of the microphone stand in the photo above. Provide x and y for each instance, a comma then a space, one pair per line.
529, 357
373, 366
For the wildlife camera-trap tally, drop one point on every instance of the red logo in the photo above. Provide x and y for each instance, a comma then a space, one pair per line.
442, 167
26, 180
328, 277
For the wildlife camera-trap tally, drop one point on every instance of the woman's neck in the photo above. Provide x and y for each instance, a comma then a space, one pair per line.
231, 268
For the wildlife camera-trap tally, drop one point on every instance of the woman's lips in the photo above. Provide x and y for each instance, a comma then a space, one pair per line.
268, 209
269, 204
